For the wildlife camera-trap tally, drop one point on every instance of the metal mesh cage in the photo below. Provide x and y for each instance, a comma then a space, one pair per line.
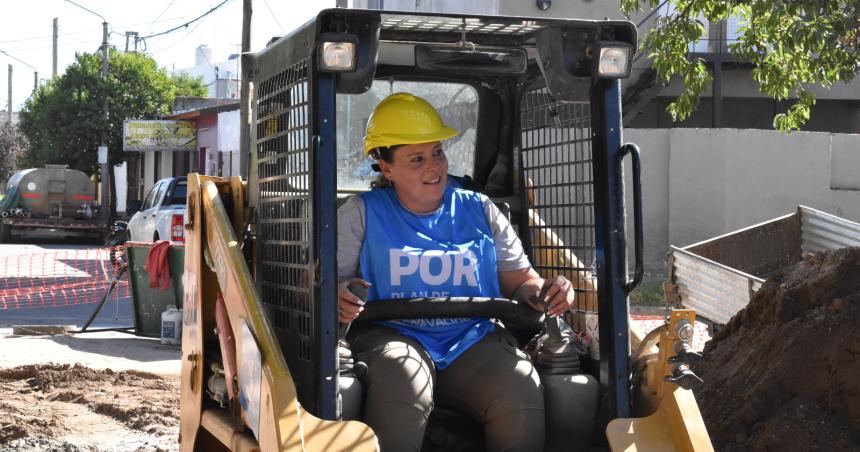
285, 224
556, 159
449, 24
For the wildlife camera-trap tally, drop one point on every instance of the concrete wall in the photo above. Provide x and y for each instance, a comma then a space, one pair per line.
738, 82
654, 149
700, 183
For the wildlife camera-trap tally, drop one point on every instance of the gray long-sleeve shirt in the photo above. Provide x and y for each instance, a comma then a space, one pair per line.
350, 235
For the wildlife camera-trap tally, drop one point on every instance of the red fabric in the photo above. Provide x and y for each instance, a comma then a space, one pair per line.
157, 266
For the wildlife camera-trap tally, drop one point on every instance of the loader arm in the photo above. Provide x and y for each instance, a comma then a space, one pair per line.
265, 414
671, 420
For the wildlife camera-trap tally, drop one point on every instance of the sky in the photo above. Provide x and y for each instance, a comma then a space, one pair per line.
26, 31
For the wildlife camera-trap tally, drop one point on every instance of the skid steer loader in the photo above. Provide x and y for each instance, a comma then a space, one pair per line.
538, 105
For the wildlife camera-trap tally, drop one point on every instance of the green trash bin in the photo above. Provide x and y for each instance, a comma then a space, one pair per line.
150, 302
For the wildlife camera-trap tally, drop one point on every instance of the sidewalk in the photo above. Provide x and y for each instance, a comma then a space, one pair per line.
101, 350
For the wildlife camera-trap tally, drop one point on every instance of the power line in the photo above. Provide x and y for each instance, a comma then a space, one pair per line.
62, 44
73, 33
224, 27
18, 60
186, 24
165, 10
274, 16
177, 41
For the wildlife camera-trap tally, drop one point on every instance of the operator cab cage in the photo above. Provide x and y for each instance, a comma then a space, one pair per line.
547, 140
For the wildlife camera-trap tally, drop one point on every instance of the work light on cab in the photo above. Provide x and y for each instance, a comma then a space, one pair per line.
613, 59
337, 52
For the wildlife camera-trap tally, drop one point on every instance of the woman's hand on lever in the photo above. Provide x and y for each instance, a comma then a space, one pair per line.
558, 292
526, 285
349, 304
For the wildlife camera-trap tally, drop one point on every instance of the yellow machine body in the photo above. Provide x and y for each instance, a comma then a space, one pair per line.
215, 267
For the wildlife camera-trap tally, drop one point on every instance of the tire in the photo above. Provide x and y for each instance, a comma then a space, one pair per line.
5, 233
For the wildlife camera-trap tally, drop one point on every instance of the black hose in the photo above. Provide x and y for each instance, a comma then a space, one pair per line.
113, 282
126, 329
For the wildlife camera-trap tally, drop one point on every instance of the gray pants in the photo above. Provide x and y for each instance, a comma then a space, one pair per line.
493, 382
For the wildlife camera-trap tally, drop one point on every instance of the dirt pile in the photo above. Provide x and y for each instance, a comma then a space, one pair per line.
63, 407
784, 374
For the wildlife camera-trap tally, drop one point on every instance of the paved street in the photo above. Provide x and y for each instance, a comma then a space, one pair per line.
40, 271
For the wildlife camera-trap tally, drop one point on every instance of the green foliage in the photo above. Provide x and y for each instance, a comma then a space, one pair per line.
12, 145
63, 119
792, 45
649, 292
188, 86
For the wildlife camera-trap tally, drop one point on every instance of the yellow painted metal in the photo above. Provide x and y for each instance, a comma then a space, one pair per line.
674, 422
676, 426
284, 424
191, 401
225, 429
558, 256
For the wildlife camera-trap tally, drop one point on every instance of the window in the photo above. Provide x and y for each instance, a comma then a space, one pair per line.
162, 189
150, 197
179, 193
456, 103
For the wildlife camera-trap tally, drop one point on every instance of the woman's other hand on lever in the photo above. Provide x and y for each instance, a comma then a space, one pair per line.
526, 285
349, 304
558, 292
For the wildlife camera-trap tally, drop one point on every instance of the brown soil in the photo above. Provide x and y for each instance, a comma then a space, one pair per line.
784, 374
49, 407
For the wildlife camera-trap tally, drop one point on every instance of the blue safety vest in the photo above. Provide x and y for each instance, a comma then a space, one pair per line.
448, 252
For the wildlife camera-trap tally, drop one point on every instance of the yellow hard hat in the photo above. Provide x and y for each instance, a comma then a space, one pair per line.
402, 118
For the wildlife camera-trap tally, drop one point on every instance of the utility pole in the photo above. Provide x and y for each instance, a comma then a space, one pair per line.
245, 94
105, 165
103, 149
35, 77
9, 117
56, 34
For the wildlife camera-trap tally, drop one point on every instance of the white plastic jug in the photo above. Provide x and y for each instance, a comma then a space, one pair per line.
171, 326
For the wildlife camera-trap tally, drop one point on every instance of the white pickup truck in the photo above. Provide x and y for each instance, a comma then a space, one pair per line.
162, 215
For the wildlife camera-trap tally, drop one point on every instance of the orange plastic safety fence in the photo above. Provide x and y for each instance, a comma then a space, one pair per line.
61, 278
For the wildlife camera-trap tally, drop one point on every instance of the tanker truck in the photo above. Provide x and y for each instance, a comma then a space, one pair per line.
50, 202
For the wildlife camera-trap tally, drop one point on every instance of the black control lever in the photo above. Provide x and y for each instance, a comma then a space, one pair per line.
359, 291
349, 366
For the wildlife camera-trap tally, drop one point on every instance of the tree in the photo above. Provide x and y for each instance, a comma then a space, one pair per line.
63, 119
12, 145
792, 45
187, 85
